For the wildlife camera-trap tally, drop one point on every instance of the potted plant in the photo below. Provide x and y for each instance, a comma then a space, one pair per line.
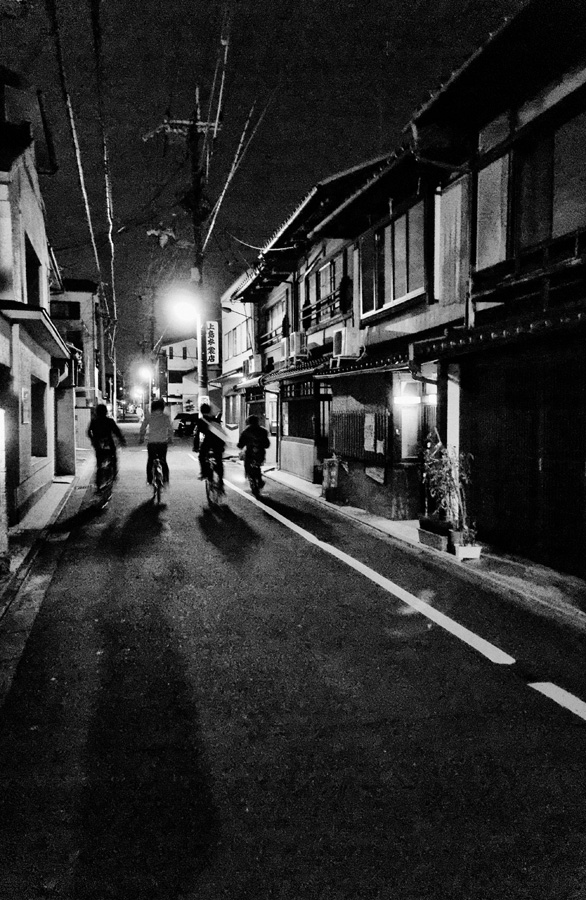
446, 477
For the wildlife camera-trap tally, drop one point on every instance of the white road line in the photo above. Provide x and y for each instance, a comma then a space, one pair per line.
494, 654
561, 697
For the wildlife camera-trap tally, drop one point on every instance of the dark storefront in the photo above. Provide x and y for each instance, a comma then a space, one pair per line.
524, 419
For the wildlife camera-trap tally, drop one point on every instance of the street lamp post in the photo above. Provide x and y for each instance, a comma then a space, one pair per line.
183, 306
145, 374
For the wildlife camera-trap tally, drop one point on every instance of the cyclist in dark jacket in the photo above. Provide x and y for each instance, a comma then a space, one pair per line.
102, 432
209, 438
254, 440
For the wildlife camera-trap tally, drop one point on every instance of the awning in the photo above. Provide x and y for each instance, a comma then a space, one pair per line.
471, 340
372, 367
294, 374
38, 324
230, 376
248, 383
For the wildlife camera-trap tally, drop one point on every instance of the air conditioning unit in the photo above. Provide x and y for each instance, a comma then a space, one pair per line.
284, 348
298, 343
347, 342
252, 366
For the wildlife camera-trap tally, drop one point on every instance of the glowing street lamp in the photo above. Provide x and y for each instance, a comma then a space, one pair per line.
183, 312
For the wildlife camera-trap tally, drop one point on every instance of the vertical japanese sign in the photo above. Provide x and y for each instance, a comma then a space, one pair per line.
369, 432
212, 349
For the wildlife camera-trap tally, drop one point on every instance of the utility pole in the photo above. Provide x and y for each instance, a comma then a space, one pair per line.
195, 202
199, 134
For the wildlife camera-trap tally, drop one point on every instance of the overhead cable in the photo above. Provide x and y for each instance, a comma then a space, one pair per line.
238, 157
97, 35
52, 11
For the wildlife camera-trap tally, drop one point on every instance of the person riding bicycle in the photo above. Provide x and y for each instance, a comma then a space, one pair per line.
160, 429
103, 432
254, 440
209, 437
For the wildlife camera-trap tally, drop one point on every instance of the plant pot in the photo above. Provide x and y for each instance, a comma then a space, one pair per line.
467, 551
455, 539
431, 539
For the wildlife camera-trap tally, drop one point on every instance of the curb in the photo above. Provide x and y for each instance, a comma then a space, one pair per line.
9, 591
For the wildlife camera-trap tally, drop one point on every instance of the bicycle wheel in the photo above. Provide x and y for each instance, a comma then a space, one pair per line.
255, 479
212, 492
254, 482
157, 481
106, 491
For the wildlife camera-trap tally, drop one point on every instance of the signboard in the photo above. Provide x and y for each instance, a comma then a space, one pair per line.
369, 432
212, 347
377, 473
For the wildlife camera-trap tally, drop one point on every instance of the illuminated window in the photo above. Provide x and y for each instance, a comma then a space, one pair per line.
491, 217
414, 413
392, 261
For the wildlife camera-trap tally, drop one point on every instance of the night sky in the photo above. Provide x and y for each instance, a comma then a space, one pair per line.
341, 78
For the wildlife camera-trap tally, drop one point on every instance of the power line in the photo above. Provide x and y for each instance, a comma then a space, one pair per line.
52, 11
238, 157
97, 35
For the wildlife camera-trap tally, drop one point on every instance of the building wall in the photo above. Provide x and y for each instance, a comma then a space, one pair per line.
524, 421
183, 396
36, 456
25, 393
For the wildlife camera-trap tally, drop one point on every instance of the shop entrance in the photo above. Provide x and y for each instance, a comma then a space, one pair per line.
524, 420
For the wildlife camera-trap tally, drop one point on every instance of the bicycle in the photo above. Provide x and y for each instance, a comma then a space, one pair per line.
158, 480
105, 475
255, 478
214, 491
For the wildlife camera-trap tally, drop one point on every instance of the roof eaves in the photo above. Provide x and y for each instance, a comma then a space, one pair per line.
250, 275
397, 159
459, 72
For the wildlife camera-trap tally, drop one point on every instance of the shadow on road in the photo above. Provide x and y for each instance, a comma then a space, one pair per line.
147, 819
144, 525
319, 527
78, 520
231, 534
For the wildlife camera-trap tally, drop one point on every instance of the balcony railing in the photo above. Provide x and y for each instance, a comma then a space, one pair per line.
269, 338
322, 311
552, 271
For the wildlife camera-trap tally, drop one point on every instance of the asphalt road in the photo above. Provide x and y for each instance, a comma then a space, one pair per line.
271, 701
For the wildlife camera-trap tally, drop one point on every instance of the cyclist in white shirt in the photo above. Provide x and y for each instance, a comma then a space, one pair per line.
160, 435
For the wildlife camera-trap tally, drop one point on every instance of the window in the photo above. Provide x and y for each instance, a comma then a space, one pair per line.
533, 173
170, 352
184, 352
232, 410
451, 245
306, 308
551, 184
275, 316
38, 417
414, 416
175, 376
367, 266
392, 261
569, 177
339, 267
33, 274
326, 279
382, 240
491, 217
62, 309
